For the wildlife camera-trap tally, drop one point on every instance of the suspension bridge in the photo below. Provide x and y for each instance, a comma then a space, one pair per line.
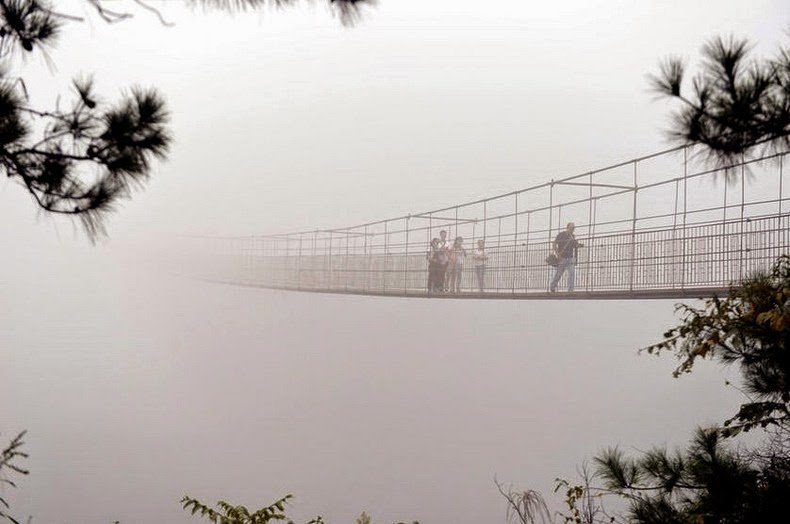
666, 225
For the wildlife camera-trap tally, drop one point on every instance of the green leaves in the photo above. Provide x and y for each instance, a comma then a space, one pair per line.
227, 513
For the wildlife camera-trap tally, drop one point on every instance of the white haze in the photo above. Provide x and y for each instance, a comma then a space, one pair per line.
138, 387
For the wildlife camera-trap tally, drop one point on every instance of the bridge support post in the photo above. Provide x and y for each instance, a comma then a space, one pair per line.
515, 246
299, 264
741, 239
406, 259
366, 251
684, 248
551, 216
386, 257
633, 230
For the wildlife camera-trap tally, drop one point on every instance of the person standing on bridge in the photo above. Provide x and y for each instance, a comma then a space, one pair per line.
444, 261
433, 249
457, 257
437, 265
480, 258
566, 247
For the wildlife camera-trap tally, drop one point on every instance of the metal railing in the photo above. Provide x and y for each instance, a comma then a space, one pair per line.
660, 225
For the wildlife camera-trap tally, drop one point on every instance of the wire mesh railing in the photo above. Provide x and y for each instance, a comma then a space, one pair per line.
665, 224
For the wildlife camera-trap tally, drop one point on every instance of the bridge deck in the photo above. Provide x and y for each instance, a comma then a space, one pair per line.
645, 294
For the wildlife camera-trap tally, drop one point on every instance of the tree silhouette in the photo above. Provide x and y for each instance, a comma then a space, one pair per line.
80, 159
523, 506
9, 457
736, 103
227, 513
708, 482
705, 483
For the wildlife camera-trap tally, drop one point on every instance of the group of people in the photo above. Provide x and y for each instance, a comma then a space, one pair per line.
446, 264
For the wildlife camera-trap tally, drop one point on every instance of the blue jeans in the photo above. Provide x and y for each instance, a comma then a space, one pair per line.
481, 277
565, 264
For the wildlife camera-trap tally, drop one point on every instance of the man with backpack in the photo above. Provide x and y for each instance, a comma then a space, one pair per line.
565, 246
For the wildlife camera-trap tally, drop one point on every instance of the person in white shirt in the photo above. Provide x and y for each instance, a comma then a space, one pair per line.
444, 262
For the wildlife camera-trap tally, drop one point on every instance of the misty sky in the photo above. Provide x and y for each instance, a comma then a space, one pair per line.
138, 386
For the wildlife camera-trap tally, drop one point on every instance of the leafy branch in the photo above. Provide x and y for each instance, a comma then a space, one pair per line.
8, 460
227, 513
79, 161
735, 103
749, 327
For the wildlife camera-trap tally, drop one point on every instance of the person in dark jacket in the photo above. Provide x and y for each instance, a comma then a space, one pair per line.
565, 246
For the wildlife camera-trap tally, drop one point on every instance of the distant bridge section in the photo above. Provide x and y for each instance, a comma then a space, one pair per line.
659, 226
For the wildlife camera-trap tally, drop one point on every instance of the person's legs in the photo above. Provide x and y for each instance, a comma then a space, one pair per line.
459, 271
431, 276
557, 275
481, 277
571, 273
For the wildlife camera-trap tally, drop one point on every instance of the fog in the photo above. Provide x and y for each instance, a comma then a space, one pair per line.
138, 386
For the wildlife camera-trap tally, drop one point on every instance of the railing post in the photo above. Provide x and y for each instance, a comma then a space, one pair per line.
781, 180
526, 254
406, 259
741, 242
451, 285
499, 252
313, 264
515, 246
331, 272
551, 209
673, 243
551, 226
456, 223
723, 240
346, 270
589, 235
485, 217
386, 257
299, 264
685, 212
430, 239
366, 284
633, 230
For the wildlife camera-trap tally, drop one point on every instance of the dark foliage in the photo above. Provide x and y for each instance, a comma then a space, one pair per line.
9, 458
706, 483
348, 11
736, 104
227, 513
79, 160
750, 328
709, 482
